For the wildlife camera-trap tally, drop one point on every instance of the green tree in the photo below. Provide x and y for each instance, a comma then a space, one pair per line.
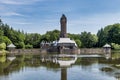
74, 36
1, 33
51, 36
78, 42
33, 39
20, 45
2, 46
115, 46
88, 40
102, 38
110, 34
5, 39
28, 46
114, 34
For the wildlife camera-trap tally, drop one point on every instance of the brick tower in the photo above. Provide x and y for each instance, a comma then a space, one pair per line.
63, 22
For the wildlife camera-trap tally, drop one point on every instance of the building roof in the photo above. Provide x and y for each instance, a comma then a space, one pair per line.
11, 45
107, 45
66, 40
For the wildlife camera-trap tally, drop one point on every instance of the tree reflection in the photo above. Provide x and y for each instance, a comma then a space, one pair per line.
9, 66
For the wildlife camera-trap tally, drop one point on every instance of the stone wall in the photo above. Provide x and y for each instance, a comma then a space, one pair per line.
24, 51
70, 51
92, 51
64, 51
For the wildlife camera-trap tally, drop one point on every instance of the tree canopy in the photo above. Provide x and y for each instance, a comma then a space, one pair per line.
109, 34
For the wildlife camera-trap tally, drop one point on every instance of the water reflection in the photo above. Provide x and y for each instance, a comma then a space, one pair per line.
109, 67
63, 73
2, 58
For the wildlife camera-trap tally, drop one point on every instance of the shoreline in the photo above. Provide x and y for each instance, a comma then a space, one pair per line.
45, 51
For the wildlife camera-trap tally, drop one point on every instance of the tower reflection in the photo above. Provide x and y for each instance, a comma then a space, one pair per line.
64, 73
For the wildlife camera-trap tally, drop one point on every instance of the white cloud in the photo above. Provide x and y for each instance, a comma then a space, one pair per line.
92, 23
21, 23
19, 2
10, 14
102, 19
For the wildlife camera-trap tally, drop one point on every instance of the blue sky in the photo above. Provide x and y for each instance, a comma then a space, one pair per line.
39, 16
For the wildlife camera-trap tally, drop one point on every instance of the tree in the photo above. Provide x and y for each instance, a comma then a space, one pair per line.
102, 38
33, 39
78, 42
74, 36
114, 34
51, 36
5, 39
115, 46
88, 40
20, 45
1, 22
110, 34
28, 46
2, 46
1, 33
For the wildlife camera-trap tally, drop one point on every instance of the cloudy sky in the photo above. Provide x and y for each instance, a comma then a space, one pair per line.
39, 16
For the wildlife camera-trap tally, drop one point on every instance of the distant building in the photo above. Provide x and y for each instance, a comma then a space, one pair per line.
107, 48
64, 44
67, 43
11, 47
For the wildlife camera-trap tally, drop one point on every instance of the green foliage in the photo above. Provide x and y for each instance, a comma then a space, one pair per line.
74, 36
5, 39
78, 42
2, 46
2, 59
110, 34
33, 39
1, 33
88, 40
51, 36
1, 22
101, 38
28, 46
114, 34
115, 46
20, 45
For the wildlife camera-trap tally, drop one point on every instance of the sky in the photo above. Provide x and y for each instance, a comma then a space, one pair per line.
40, 16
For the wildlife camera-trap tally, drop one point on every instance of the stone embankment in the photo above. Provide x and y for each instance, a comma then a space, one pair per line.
77, 51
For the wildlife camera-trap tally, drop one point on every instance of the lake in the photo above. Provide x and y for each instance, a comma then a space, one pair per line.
47, 67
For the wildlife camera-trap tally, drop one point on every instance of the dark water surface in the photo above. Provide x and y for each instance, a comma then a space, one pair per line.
44, 67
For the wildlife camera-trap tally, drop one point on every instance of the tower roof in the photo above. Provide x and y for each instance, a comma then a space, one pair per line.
11, 45
63, 16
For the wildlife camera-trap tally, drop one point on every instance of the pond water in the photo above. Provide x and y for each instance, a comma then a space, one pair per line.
47, 67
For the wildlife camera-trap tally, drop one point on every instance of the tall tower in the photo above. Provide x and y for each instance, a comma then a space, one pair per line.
63, 22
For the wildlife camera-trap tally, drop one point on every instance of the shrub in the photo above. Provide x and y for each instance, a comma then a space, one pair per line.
115, 46
2, 46
28, 46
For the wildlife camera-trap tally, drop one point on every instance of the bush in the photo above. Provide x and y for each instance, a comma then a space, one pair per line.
5, 39
115, 46
28, 46
2, 46
20, 45
78, 42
